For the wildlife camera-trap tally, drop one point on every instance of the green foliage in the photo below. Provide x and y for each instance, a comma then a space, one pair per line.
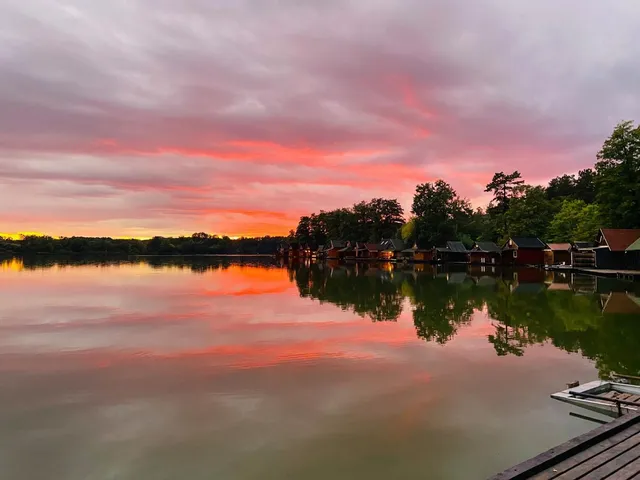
575, 221
304, 232
408, 231
365, 221
440, 214
484, 227
618, 177
562, 187
529, 213
504, 186
585, 186
9, 247
581, 187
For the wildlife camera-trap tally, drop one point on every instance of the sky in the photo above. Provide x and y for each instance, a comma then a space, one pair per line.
133, 118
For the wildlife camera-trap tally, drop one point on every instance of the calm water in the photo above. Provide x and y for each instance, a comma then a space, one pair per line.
220, 369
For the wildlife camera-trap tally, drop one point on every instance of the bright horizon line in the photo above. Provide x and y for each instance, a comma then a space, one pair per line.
19, 235
481, 201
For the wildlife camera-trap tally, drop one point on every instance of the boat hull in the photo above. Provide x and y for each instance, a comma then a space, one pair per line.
604, 406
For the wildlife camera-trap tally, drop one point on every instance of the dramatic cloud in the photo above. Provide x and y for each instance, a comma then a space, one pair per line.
142, 117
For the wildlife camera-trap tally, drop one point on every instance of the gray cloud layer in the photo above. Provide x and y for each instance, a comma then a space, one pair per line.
442, 87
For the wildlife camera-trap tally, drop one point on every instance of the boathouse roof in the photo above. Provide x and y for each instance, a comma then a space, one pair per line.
456, 247
394, 244
618, 239
582, 244
533, 243
557, 247
489, 247
634, 247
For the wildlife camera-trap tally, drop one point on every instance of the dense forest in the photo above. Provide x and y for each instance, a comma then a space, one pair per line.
569, 208
196, 244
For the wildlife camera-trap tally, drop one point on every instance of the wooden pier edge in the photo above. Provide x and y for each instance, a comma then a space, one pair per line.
562, 452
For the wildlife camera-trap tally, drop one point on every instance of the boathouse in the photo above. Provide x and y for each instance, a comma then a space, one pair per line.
305, 251
391, 249
332, 251
611, 245
373, 250
422, 255
523, 251
294, 251
633, 255
485, 253
558, 254
367, 251
582, 255
454, 252
408, 254
282, 251
348, 252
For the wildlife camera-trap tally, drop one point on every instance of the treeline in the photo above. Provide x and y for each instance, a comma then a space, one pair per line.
365, 221
569, 208
196, 244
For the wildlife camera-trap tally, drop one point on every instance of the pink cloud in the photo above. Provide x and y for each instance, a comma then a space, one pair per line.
180, 120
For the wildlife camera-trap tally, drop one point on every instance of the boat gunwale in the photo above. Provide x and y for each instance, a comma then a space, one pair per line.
605, 405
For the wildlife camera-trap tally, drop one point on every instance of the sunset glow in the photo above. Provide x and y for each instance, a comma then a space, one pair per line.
177, 120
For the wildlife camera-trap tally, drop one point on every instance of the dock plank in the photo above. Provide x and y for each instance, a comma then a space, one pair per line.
604, 461
555, 456
614, 465
630, 471
587, 454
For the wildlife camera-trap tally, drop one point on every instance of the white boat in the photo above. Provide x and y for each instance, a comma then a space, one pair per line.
609, 398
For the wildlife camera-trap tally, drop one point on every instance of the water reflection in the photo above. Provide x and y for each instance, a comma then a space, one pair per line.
599, 317
229, 368
197, 264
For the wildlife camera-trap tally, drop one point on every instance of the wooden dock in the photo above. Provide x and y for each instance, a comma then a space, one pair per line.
601, 272
610, 452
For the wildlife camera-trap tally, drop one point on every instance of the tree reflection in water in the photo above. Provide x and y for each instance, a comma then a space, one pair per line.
598, 317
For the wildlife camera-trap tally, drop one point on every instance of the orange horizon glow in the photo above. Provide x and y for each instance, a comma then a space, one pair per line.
20, 235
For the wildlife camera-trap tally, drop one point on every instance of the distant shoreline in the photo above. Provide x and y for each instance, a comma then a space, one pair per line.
264, 255
196, 244
116, 255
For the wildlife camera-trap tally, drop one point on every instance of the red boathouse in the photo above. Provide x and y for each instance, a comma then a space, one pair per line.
523, 251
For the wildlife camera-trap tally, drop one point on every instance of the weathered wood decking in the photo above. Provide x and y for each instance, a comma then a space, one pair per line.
611, 452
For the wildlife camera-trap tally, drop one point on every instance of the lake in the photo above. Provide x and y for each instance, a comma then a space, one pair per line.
226, 368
